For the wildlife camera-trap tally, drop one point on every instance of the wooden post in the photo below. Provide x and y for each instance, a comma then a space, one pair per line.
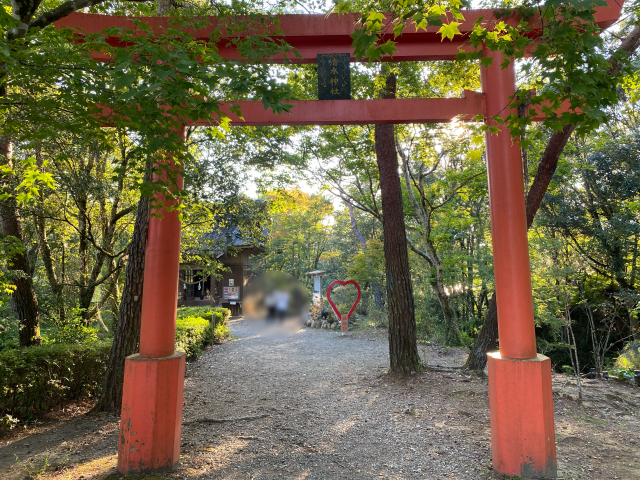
520, 395
151, 416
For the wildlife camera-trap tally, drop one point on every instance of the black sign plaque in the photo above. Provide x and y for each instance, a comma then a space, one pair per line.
334, 76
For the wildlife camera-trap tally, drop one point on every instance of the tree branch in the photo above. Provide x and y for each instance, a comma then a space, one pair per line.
557, 142
420, 252
47, 18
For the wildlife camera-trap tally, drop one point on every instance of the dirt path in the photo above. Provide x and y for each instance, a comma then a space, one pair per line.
317, 406
331, 415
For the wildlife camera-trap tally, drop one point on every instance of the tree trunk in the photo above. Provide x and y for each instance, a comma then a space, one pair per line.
23, 299
634, 261
403, 350
429, 253
112, 303
127, 330
452, 331
165, 5
377, 295
47, 259
487, 339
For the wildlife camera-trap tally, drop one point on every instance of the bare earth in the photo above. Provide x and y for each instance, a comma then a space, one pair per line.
316, 405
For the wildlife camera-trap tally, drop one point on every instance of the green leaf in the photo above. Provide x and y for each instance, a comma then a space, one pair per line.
388, 47
486, 61
397, 29
449, 30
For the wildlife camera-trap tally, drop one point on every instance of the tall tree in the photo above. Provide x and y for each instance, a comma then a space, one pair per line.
299, 233
403, 349
126, 337
25, 15
23, 298
428, 197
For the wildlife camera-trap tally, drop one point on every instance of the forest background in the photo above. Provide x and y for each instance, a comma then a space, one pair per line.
76, 195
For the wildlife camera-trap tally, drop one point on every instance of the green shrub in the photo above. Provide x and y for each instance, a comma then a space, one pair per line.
190, 328
8, 332
203, 312
220, 319
467, 341
621, 374
37, 378
7, 422
629, 358
226, 313
192, 334
221, 333
74, 331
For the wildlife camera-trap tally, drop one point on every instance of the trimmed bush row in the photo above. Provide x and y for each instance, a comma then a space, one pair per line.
38, 378
192, 334
205, 312
218, 316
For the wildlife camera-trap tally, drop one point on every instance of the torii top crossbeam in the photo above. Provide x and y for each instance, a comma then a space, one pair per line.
314, 34
311, 35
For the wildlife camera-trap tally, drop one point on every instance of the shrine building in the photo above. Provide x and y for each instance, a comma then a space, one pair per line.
233, 251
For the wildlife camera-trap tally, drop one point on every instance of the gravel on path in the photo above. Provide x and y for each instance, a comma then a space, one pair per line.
333, 413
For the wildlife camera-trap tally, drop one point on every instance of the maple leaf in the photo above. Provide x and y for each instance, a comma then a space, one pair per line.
449, 31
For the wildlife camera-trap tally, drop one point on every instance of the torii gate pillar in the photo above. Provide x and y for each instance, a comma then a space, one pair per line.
151, 417
520, 394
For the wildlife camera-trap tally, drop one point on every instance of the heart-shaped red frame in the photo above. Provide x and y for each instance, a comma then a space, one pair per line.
343, 283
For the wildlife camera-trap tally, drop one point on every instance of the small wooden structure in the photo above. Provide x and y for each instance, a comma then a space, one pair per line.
195, 288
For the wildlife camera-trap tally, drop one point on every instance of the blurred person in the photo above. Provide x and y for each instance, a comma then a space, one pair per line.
282, 304
270, 301
275, 295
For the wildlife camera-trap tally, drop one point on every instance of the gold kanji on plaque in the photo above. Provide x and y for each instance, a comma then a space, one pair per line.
334, 76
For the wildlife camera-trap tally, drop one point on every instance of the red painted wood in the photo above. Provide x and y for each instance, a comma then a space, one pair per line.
362, 112
508, 220
160, 291
523, 440
151, 415
313, 34
520, 397
352, 112
152, 398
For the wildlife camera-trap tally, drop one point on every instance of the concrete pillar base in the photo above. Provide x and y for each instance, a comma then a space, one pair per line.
523, 439
151, 417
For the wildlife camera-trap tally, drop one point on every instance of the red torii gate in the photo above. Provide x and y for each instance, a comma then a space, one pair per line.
521, 400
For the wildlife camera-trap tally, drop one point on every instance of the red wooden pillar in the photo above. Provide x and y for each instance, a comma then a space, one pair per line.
151, 416
520, 395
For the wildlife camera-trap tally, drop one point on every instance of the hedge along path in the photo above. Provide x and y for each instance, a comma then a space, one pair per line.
316, 405
38, 378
